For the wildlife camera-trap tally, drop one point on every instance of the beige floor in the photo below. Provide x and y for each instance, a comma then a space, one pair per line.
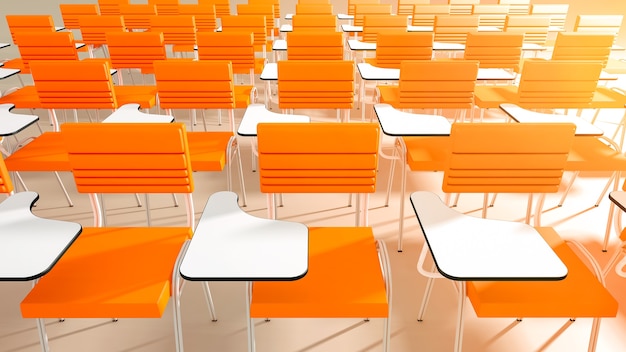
577, 219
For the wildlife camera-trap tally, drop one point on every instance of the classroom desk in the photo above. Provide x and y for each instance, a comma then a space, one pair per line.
4, 45
11, 123
583, 127
130, 113
230, 245
468, 248
257, 113
29, 245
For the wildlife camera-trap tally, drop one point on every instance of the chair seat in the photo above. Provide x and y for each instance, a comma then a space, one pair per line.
259, 64
242, 96
110, 273
344, 280
145, 96
208, 150
16, 63
427, 153
47, 152
580, 294
591, 154
23, 98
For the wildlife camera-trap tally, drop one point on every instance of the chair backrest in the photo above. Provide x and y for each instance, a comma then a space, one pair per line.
135, 49
29, 23
314, 23
313, 1
309, 45
316, 84
352, 4
454, 28
535, 28
276, 4
94, 29
394, 47
177, 29
137, 16
556, 12
517, 7
6, 186
237, 47
495, 50
497, 158
46, 46
424, 15
184, 84
85, 84
101, 164
462, 7
204, 15
375, 24
248, 23
111, 7
610, 24
222, 7
292, 159
558, 83
437, 84
405, 7
362, 10
314, 9
165, 7
491, 14
583, 46
266, 10
71, 12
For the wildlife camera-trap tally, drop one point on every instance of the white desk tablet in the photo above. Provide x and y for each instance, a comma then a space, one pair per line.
469, 248
11, 123
397, 123
30, 245
130, 113
229, 244
583, 127
257, 113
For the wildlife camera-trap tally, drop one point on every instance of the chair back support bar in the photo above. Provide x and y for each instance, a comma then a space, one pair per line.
159, 164
515, 165
318, 158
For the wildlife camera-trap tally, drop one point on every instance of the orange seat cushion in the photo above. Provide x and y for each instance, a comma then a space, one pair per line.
23, 98
16, 63
344, 280
592, 154
579, 295
145, 96
242, 96
110, 273
208, 150
45, 153
428, 153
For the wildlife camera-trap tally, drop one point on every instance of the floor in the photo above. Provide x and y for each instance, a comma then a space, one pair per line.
577, 219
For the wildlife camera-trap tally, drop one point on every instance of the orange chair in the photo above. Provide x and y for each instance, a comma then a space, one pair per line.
93, 30
424, 15
462, 7
138, 282
204, 15
204, 84
135, 50
352, 5
495, 50
43, 46
111, 7
237, 47
362, 10
374, 24
314, 23
309, 45
454, 28
316, 84
179, 31
291, 160
165, 7
222, 7
70, 13
583, 46
137, 16
556, 12
314, 9
29, 23
436, 84
534, 27
405, 7
607, 24
517, 7
491, 15
313, 1
394, 47
249, 23
266, 10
